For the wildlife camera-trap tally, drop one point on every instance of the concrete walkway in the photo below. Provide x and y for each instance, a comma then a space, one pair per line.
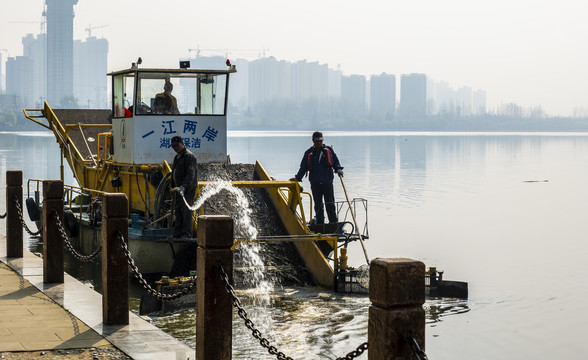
33, 316
29, 320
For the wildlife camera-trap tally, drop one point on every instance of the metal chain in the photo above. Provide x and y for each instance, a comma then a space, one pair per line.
156, 294
20, 217
68, 244
355, 353
417, 351
257, 334
248, 323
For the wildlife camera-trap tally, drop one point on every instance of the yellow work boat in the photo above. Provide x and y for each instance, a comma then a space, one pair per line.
126, 150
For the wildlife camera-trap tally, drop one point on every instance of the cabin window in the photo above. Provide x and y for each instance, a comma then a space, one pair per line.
212, 94
180, 94
122, 94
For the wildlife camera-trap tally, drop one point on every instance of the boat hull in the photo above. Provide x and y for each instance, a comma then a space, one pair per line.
151, 251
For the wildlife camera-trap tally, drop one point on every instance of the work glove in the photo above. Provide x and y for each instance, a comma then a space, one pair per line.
340, 172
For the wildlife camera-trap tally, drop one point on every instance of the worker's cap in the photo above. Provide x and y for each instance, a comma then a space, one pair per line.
317, 136
176, 140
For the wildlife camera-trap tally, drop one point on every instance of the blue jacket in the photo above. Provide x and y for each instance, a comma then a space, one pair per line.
320, 163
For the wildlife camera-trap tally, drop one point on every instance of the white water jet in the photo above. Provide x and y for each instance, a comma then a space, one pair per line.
245, 229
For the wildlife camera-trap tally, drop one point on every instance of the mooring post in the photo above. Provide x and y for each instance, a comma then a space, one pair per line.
52, 240
14, 245
214, 309
115, 266
397, 293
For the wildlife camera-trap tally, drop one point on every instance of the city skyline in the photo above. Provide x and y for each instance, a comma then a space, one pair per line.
522, 52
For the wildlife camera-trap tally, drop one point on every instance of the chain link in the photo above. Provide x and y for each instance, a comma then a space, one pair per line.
248, 323
68, 244
156, 294
20, 217
355, 353
257, 334
417, 351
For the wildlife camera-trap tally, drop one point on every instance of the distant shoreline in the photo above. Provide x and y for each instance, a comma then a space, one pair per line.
488, 123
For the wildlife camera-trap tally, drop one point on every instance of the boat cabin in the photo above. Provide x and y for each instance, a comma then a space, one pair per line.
150, 106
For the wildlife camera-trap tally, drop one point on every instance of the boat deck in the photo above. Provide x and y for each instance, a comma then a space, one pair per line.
86, 117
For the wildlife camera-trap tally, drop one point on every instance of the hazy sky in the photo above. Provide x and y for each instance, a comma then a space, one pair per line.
531, 52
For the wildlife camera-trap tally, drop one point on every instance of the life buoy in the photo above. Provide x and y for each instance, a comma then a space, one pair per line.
33, 209
71, 223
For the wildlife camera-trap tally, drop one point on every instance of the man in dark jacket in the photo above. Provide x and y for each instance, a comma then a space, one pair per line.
320, 161
184, 177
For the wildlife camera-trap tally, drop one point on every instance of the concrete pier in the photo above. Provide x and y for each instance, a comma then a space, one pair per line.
35, 318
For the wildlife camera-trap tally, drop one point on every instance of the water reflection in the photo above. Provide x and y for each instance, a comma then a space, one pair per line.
308, 323
437, 309
456, 201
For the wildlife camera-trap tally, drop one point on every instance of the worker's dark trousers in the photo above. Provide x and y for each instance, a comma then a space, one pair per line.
318, 192
183, 224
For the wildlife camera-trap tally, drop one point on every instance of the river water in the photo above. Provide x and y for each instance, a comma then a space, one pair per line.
503, 211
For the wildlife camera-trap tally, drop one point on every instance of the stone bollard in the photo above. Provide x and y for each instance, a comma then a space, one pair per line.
115, 266
214, 309
14, 245
397, 293
52, 240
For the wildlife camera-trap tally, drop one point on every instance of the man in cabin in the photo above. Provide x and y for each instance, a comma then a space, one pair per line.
320, 161
165, 102
185, 182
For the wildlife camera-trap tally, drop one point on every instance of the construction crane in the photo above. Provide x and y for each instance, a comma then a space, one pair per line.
42, 22
90, 28
226, 52
260, 52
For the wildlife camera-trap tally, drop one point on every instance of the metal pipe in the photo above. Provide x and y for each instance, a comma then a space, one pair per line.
354, 221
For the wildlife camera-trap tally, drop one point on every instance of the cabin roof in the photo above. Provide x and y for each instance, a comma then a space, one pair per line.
177, 72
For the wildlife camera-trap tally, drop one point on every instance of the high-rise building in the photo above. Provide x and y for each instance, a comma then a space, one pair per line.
464, 100
413, 95
2, 82
334, 89
36, 50
239, 85
60, 16
19, 81
309, 80
353, 97
90, 68
269, 79
383, 95
479, 102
